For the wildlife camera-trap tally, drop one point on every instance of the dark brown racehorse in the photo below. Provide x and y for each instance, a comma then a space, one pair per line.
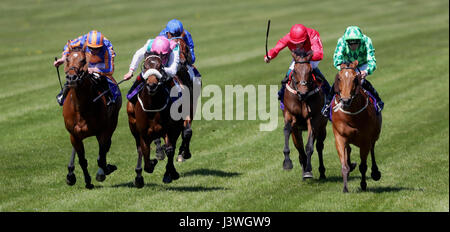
150, 119
84, 118
355, 122
183, 78
303, 100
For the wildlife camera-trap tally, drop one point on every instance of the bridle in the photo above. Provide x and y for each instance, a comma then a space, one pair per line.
339, 103
305, 96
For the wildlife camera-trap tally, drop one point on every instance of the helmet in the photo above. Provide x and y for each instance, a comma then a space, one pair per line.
94, 39
298, 34
160, 45
174, 27
353, 33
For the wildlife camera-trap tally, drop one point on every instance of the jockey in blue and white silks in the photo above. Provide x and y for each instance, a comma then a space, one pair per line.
175, 28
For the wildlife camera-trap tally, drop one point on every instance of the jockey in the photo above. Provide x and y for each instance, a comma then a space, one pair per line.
168, 51
174, 28
307, 39
354, 45
99, 53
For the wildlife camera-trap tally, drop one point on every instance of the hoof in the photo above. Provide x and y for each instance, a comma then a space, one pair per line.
174, 175
287, 164
363, 186
110, 169
139, 182
180, 158
100, 177
345, 190
376, 175
167, 179
150, 167
89, 186
352, 167
307, 175
186, 154
71, 179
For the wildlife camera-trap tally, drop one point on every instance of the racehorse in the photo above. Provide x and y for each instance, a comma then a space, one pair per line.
84, 118
303, 100
150, 119
183, 78
355, 121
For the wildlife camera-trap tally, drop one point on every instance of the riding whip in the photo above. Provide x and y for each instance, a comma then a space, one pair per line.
57, 71
267, 36
105, 92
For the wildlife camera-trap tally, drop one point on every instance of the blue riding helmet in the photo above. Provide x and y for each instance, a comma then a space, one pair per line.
174, 27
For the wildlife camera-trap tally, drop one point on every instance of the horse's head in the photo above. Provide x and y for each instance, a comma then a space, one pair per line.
153, 73
301, 75
76, 66
347, 83
185, 54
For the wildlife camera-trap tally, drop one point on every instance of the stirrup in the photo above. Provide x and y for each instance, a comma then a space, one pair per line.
59, 99
325, 110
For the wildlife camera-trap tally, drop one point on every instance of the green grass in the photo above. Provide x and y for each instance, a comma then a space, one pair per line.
234, 167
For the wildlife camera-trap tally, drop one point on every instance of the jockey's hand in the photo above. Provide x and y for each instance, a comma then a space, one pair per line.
94, 70
128, 75
60, 61
364, 74
267, 59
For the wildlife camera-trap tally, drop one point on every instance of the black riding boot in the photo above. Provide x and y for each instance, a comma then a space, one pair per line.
104, 86
328, 97
283, 87
62, 94
368, 86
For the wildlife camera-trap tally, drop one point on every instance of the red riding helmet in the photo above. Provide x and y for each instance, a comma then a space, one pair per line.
298, 34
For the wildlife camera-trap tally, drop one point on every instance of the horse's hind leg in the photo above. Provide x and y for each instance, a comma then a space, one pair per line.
159, 151
376, 174
104, 168
71, 179
79, 148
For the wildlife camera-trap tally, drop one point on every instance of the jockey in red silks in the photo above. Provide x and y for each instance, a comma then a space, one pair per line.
306, 39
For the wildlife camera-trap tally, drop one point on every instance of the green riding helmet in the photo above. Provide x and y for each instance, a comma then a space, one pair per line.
353, 33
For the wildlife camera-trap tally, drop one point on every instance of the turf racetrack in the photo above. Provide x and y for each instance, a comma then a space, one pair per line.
234, 167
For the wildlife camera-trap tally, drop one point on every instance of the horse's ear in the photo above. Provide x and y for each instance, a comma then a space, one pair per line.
343, 65
294, 55
84, 47
354, 64
336, 84
69, 46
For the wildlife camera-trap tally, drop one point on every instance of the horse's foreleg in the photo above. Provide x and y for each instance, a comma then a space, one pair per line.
319, 146
298, 142
287, 163
149, 165
79, 148
171, 173
139, 180
71, 179
103, 168
341, 145
349, 161
309, 150
184, 152
159, 150
363, 152
376, 174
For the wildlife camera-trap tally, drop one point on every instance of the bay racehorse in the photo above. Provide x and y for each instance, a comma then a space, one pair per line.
150, 119
355, 121
84, 118
303, 100
183, 78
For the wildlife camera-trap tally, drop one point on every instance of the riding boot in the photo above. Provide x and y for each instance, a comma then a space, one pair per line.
62, 95
368, 86
104, 86
328, 97
325, 85
283, 86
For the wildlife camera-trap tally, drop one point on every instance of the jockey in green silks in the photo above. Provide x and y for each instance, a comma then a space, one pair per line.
354, 45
